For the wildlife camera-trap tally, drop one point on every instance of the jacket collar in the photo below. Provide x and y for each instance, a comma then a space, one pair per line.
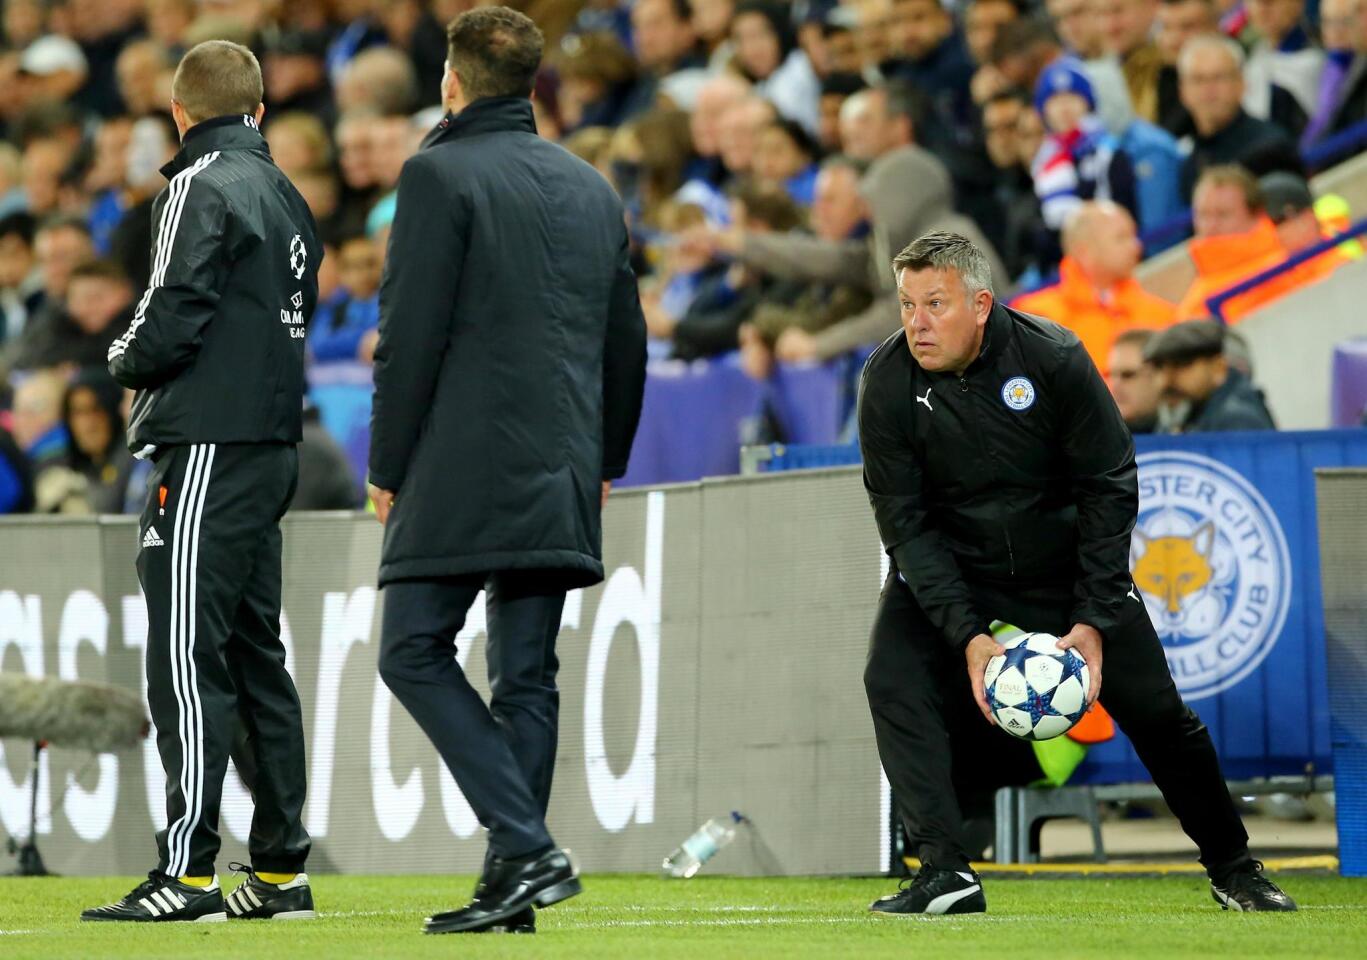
486, 115
236, 131
995, 334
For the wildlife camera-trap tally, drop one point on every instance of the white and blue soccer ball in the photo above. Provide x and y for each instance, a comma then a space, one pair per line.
1035, 690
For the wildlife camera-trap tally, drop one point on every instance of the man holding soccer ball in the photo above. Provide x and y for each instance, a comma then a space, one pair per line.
1003, 482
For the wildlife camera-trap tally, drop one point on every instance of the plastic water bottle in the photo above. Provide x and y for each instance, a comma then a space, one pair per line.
688, 858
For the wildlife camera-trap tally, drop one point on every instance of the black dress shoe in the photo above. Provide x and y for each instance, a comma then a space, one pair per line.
509, 888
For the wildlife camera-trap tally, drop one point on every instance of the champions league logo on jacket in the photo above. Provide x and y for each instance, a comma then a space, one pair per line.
1212, 567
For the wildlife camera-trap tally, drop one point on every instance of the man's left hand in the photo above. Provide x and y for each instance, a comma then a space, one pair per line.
1087, 641
383, 501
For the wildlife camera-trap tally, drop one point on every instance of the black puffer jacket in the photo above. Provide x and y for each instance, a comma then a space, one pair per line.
511, 361
1021, 472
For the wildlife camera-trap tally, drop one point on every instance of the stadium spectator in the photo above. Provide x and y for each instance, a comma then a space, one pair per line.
380, 79
101, 186
715, 98
36, 419
1013, 191
712, 323
21, 280
1097, 296
1133, 381
739, 128
99, 307
649, 155
1291, 207
1079, 160
840, 43
1191, 363
1126, 28
12, 199
875, 122
356, 161
168, 23
597, 76
144, 76
1179, 21
342, 325
16, 477
671, 60
60, 244
768, 56
711, 22
46, 161
87, 479
1077, 25
1210, 70
930, 56
23, 23
294, 70
1341, 99
1283, 58
785, 156
151, 145
982, 19
836, 89
410, 26
1234, 240
52, 69
839, 215
1024, 47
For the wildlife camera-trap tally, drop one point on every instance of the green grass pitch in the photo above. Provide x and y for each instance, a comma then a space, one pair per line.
716, 918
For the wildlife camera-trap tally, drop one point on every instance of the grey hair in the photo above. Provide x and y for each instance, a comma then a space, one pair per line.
947, 251
1210, 41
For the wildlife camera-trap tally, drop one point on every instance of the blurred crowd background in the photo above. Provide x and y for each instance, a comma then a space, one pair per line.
772, 159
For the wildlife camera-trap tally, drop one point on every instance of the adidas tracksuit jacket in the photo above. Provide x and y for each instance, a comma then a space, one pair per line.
215, 352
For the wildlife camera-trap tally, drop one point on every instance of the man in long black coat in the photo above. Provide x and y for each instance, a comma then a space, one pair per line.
508, 383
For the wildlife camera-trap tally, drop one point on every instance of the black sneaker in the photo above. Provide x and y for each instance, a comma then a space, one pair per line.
934, 891
160, 898
256, 899
1246, 889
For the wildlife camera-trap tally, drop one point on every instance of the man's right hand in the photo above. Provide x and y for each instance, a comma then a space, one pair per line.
981, 649
383, 501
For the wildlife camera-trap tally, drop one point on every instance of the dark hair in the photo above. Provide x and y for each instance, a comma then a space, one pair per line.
904, 100
1136, 336
63, 221
947, 251
495, 52
1009, 95
217, 78
100, 269
800, 138
1019, 36
840, 161
108, 395
845, 84
770, 204
778, 16
21, 225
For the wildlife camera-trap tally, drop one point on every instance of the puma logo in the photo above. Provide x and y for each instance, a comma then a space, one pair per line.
926, 400
1173, 568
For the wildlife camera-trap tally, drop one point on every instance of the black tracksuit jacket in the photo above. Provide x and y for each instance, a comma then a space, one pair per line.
1019, 473
216, 346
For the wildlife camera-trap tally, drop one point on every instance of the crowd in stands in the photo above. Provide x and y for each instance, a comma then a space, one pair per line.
772, 158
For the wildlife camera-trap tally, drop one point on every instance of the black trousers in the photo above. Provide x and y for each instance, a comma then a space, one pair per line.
502, 755
210, 570
922, 702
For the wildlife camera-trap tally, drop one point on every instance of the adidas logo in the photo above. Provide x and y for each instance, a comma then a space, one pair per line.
152, 539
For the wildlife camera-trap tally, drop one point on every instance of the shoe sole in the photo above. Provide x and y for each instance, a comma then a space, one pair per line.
207, 918
561, 891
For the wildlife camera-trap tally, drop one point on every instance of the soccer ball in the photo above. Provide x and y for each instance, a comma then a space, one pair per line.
1035, 690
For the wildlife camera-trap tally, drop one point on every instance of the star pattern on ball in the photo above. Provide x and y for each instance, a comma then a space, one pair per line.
1073, 666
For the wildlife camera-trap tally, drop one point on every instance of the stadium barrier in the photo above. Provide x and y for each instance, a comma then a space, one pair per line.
1342, 497
719, 668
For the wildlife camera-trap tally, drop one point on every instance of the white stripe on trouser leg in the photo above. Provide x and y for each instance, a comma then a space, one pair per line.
195, 810
176, 827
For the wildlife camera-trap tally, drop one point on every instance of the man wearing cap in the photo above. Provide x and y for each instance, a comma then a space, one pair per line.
1191, 362
1294, 210
53, 67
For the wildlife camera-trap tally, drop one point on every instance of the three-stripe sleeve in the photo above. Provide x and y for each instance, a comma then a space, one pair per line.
188, 270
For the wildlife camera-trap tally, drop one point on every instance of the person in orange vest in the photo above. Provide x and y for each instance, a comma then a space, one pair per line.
1235, 240
1097, 295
